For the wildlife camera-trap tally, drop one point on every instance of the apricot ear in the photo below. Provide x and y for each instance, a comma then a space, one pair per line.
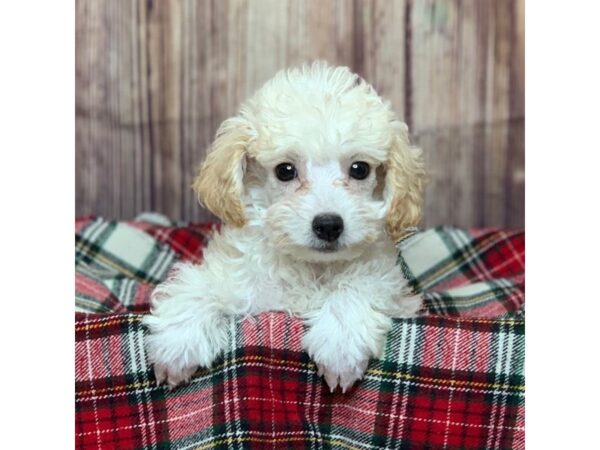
405, 174
219, 183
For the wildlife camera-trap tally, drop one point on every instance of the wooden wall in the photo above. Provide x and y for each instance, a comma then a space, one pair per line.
155, 78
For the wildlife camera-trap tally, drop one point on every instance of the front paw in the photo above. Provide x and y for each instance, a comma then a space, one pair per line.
340, 360
178, 350
343, 375
174, 374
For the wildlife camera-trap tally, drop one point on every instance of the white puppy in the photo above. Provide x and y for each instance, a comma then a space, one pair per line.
315, 180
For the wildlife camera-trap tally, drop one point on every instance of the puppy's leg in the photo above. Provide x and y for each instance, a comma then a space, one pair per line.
350, 328
343, 336
187, 325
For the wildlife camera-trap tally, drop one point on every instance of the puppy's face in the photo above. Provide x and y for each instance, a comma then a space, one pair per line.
320, 209
318, 161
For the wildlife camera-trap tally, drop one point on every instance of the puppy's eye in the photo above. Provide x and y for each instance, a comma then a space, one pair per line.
359, 170
285, 172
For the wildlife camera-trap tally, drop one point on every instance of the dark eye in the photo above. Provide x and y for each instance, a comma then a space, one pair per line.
359, 170
285, 172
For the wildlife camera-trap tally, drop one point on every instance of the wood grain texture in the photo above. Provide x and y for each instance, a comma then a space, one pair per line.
155, 78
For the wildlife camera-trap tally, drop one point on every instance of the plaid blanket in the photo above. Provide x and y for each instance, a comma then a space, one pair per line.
452, 379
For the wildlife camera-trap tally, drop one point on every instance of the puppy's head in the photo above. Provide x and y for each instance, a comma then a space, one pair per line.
319, 161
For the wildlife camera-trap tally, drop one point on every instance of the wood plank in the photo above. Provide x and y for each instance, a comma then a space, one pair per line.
457, 175
109, 160
380, 43
466, 102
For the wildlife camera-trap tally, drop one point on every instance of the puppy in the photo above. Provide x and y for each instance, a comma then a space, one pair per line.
314, 180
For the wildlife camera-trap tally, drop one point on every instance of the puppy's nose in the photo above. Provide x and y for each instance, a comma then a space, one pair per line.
328, 227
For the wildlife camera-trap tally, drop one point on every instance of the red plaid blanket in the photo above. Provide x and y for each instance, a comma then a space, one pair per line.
449, 380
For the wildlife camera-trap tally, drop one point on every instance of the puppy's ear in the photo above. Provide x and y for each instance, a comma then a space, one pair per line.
219, 184
404, 180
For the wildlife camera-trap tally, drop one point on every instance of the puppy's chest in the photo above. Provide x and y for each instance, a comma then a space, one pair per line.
296, 291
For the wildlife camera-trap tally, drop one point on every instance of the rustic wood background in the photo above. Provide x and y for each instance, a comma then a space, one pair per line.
155, 78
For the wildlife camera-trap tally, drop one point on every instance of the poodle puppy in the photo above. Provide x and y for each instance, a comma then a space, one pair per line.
314, 180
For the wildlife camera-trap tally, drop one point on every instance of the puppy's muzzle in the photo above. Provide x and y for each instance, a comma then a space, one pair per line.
328, 227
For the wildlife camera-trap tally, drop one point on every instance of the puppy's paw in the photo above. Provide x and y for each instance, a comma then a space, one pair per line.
172, 376
178, 350
340, 359
342, 375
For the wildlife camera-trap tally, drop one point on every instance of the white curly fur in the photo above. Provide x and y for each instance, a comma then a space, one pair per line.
267, 258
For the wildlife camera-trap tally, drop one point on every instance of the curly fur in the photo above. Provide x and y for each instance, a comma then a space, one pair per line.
266, 257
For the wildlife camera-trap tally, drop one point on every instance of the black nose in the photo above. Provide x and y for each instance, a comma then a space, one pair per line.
328, 226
